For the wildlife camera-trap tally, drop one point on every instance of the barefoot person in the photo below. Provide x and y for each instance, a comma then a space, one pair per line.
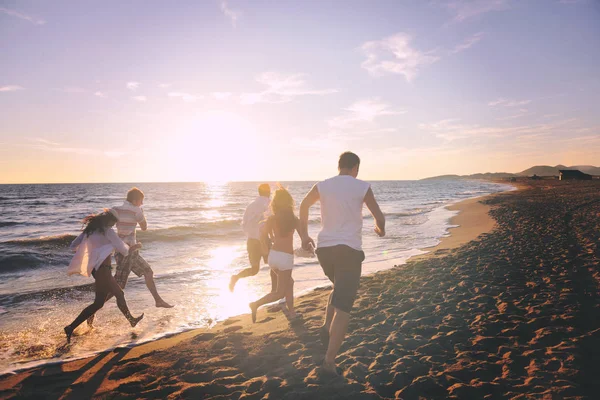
94, 247
254, 214
280, 227
130, 214
339, 247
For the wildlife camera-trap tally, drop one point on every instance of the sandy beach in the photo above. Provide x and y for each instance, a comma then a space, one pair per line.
506, 307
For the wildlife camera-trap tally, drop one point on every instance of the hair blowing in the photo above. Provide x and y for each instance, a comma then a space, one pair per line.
283, 210
98, 222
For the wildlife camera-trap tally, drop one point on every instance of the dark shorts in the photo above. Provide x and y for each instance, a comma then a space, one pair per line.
342, 265
105, 264
125, 265
255, 252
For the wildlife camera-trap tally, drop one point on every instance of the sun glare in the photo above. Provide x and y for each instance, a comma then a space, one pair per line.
215, 147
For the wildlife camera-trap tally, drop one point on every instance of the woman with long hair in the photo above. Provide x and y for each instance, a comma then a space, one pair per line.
280, 228
94, 247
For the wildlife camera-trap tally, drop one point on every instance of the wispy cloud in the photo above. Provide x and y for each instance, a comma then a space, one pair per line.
221, 95
470, 42
508, 102
48, 145
140, 98
185, 96
366, 110
522, 112
281, 89
10, 88
100, 94
133, 85
164, 85
230, 13
16, 14
395, 55
463, 10
453, 129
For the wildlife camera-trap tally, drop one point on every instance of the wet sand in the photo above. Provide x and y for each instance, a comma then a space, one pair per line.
514, 313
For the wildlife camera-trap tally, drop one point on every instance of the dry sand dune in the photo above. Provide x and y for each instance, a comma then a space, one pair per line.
513, 314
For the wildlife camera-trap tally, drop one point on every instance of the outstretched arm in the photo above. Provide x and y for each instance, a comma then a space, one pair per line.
311, 198
375, 212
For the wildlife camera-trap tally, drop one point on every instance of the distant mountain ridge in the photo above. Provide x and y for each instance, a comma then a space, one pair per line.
539, 170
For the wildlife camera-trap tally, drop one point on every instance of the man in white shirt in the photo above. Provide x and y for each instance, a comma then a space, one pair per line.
339, 248
255, 213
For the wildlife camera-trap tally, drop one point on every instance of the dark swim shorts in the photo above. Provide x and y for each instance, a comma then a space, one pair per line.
342, 265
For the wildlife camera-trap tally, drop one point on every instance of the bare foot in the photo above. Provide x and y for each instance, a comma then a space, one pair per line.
329, 368
254, 310
69, 333
163, 304
134, 321
232, 283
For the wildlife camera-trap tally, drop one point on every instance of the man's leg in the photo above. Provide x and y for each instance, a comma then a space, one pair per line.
141, 268
346, 277
337, 332
254, 256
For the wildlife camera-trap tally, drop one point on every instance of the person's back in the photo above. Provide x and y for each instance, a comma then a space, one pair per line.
339, 245
342, 198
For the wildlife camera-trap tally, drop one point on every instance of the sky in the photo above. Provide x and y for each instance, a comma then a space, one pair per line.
230, 90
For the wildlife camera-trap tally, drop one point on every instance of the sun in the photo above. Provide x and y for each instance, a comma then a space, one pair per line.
215, 147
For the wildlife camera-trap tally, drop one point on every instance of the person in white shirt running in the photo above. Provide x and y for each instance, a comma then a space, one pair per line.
130, 214
254, 215
94, 247
339, 247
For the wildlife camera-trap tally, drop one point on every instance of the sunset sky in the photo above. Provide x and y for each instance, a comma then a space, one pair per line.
274, 90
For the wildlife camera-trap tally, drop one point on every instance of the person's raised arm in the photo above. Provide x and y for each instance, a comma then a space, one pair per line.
375, 212
311, 198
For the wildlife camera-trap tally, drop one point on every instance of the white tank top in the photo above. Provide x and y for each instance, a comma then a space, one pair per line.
342, 199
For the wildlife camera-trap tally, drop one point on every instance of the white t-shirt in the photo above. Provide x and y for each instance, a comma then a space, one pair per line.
342, 199
91, 251
129, 217
255, 213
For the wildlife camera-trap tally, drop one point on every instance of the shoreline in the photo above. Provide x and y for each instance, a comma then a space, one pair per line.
472, 220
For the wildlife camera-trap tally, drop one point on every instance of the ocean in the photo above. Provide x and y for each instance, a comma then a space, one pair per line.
194, 243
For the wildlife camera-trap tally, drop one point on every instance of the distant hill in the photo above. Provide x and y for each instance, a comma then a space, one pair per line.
539, 170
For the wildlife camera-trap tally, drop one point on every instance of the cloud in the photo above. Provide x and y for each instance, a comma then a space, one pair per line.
508, 102
48, 145
185, 96
467, 43
10, 88
140, 98
221, 95
16, 14
452, 129
164, 85
522, 112
100, 94
362, 111
133, 85
233, 15
394, 55
281, 89
463, 10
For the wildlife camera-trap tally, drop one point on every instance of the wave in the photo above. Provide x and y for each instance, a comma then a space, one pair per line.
11, 262
7, 223
46, 294
62, 240
411, 213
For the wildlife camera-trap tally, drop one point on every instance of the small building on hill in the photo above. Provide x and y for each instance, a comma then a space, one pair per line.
566, 174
